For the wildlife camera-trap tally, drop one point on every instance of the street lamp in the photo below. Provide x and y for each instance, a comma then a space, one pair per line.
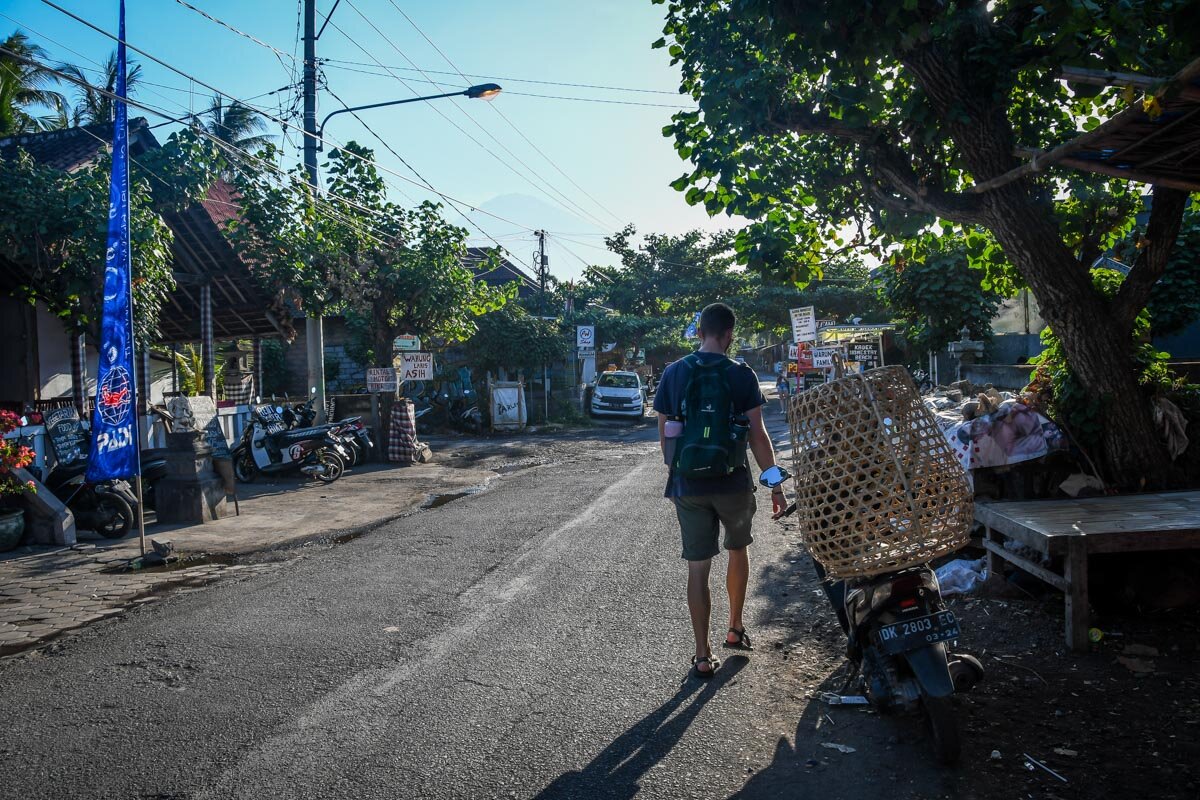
484, 91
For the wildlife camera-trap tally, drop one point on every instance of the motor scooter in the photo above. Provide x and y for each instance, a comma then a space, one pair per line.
899, 632
267, 446
351, 433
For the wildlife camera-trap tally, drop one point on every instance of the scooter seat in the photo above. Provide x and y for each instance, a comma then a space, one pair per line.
301, 435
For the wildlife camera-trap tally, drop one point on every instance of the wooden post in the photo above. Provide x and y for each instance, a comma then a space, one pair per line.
258, 368
207, 346
1077, 593
79, 373
993, 562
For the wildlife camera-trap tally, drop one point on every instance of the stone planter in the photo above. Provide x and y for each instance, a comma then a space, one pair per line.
12, 526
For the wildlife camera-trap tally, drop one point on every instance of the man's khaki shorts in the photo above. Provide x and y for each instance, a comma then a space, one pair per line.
700, 519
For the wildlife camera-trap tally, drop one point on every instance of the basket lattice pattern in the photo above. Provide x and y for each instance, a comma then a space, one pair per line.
877, 486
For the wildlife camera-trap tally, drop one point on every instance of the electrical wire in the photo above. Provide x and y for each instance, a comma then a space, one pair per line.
257, 109
511, 80
504, 116
241, 33
547, 185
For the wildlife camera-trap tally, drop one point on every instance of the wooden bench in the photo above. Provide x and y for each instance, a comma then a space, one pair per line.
1076, 529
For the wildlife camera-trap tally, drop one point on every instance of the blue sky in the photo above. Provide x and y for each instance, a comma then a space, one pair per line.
613, 152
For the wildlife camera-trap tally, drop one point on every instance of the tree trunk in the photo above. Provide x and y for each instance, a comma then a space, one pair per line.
1099, 346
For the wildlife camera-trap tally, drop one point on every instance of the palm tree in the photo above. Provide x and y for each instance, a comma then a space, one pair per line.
94, 107
24, 87
233, 123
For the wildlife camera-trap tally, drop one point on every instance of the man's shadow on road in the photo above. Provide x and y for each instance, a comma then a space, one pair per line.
615, 772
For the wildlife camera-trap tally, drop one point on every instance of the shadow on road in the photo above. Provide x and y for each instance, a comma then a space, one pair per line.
615, 772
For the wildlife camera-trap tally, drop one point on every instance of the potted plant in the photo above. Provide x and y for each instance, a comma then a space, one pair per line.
13, 455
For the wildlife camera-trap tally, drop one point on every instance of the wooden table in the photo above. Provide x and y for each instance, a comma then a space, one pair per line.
1075, 529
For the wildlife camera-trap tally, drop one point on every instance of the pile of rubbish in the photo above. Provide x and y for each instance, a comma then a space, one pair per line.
990, 428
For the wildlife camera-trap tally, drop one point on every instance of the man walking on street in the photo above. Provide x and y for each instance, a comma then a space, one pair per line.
709, 407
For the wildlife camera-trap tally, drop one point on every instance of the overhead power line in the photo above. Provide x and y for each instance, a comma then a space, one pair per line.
241, 33
262, 112
546, 185
503, 78
504, 116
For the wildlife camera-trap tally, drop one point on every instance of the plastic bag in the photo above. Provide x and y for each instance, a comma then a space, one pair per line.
961, 576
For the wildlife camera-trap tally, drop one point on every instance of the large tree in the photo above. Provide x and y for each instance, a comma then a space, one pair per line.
838, 125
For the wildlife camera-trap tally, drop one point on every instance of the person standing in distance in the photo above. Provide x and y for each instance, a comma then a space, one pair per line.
709, 408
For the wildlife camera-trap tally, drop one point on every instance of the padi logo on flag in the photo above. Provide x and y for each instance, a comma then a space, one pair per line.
115, 396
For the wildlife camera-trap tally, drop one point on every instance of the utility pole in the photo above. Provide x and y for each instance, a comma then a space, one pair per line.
314, 328
542, 263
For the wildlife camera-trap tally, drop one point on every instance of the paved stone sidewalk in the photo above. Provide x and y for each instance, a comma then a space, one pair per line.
50, 592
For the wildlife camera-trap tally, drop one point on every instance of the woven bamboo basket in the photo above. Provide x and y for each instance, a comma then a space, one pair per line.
877, 486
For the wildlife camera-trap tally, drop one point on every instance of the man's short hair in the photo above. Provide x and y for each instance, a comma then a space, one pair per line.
716, 320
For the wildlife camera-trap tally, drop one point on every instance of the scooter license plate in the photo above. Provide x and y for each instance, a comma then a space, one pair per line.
912, 634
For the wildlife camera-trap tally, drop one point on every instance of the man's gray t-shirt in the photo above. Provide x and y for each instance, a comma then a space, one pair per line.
746, 395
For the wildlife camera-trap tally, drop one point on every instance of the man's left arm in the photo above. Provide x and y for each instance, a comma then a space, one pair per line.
764, 454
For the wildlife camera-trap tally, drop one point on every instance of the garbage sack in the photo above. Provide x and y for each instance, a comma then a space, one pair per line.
960, 576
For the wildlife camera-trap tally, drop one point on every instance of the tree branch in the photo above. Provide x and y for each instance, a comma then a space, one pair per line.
1166, 216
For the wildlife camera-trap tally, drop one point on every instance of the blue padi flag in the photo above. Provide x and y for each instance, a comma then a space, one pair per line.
692, 331
115, 451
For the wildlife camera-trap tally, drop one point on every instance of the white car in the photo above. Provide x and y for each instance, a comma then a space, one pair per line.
619, 394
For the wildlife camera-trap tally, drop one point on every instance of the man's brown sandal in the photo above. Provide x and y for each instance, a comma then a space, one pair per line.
742, 643
713, 664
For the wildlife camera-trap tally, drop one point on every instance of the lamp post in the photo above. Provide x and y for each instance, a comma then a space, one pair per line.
313, 143
484, 91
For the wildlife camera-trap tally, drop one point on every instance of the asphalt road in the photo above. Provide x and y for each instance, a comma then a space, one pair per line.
528, 641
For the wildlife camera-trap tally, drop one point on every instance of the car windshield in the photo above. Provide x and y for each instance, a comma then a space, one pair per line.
618, 381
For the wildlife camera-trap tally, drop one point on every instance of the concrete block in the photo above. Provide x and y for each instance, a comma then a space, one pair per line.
47, 520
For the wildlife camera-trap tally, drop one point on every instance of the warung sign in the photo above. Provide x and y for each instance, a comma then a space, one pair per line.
416, 367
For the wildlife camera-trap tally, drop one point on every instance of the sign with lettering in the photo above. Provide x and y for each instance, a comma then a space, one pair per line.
587, 352
585, 336
381, 379
866, 354
216, 439
804, 324
793, 352
812, 379
406, 342
823, 357
416, 367
67, 436
825, 323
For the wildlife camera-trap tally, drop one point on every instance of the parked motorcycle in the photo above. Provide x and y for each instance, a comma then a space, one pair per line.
105, 507
267, 446
351, 434
899, 636
899, 632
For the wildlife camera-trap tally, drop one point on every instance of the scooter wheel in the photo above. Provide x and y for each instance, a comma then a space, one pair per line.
244, 468
113, 516
943, 726
334, 466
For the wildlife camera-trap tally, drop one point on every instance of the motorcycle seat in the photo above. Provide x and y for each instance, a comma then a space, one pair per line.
301, 435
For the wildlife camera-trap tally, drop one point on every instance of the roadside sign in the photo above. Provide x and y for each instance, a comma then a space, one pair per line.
825, 323
587, 352
585, 336
381, 379
793, 352
823, 357
812, 379
804, 324
406, 342
865, 353
416, 367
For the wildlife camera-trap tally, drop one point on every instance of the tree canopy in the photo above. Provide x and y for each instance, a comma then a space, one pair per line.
839, 126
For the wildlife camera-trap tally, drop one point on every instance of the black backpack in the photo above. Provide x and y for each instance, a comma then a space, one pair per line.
713, 443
